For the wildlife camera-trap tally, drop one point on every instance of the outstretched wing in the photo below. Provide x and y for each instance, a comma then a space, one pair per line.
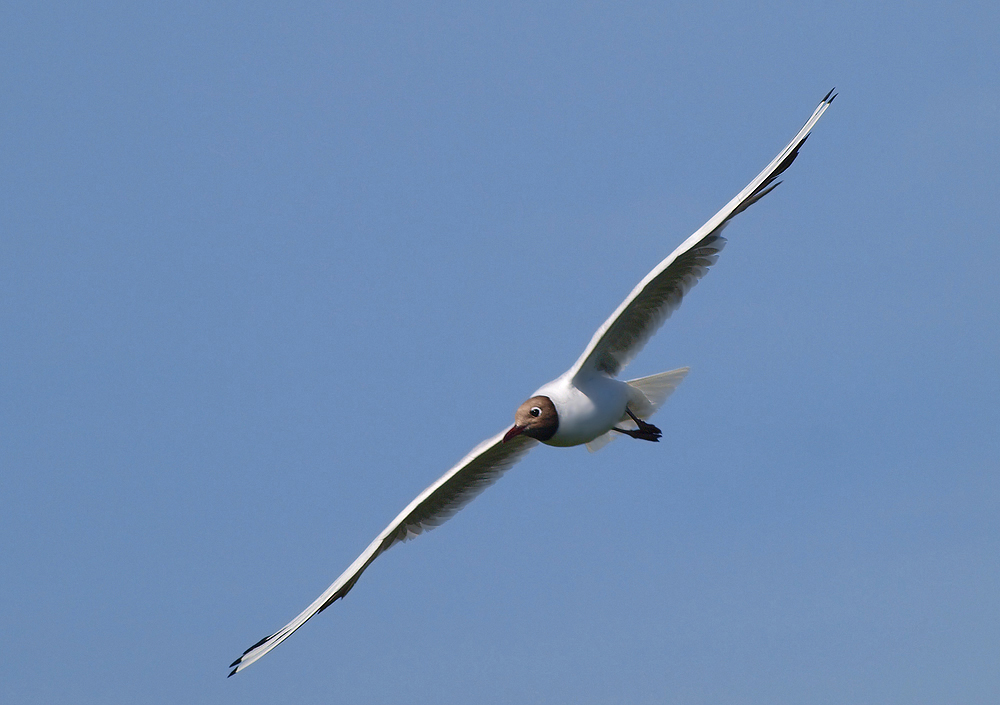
657, 296
477, 470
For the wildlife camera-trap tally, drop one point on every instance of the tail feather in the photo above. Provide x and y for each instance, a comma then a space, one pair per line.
656, 389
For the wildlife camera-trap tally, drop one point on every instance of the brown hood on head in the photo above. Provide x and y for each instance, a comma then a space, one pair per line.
535, 418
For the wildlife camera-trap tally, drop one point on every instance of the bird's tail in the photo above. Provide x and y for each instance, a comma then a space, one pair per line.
650, 394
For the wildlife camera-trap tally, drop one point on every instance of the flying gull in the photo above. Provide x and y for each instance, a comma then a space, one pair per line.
586, 405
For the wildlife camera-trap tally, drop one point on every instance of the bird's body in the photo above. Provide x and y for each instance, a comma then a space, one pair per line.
585, 405
588, 406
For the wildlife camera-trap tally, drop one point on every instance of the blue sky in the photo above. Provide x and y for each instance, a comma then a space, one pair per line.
266, 271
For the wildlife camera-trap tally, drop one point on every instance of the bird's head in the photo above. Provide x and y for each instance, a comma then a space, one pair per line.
535, 418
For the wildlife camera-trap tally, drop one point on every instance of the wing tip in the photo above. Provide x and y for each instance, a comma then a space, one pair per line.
235, 665
829, 97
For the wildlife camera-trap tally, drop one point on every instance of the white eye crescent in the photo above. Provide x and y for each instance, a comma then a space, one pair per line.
535, 411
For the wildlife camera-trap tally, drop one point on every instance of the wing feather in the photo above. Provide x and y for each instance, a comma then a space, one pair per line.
475, 472
623, 335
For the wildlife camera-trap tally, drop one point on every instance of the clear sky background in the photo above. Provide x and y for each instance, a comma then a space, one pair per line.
268, 270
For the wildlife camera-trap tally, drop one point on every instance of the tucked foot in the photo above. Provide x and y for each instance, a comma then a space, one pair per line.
645, 432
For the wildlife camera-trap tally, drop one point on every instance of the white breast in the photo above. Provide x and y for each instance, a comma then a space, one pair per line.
587, 408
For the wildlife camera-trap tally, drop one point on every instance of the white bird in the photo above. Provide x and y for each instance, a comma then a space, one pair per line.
586, 405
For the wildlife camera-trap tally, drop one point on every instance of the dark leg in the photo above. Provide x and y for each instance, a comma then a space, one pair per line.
645, 432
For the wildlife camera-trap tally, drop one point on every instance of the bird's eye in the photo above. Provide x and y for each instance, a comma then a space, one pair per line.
535, 411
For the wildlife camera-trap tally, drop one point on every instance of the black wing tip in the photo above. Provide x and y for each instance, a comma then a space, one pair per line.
829, 97
233, 672
238, 661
